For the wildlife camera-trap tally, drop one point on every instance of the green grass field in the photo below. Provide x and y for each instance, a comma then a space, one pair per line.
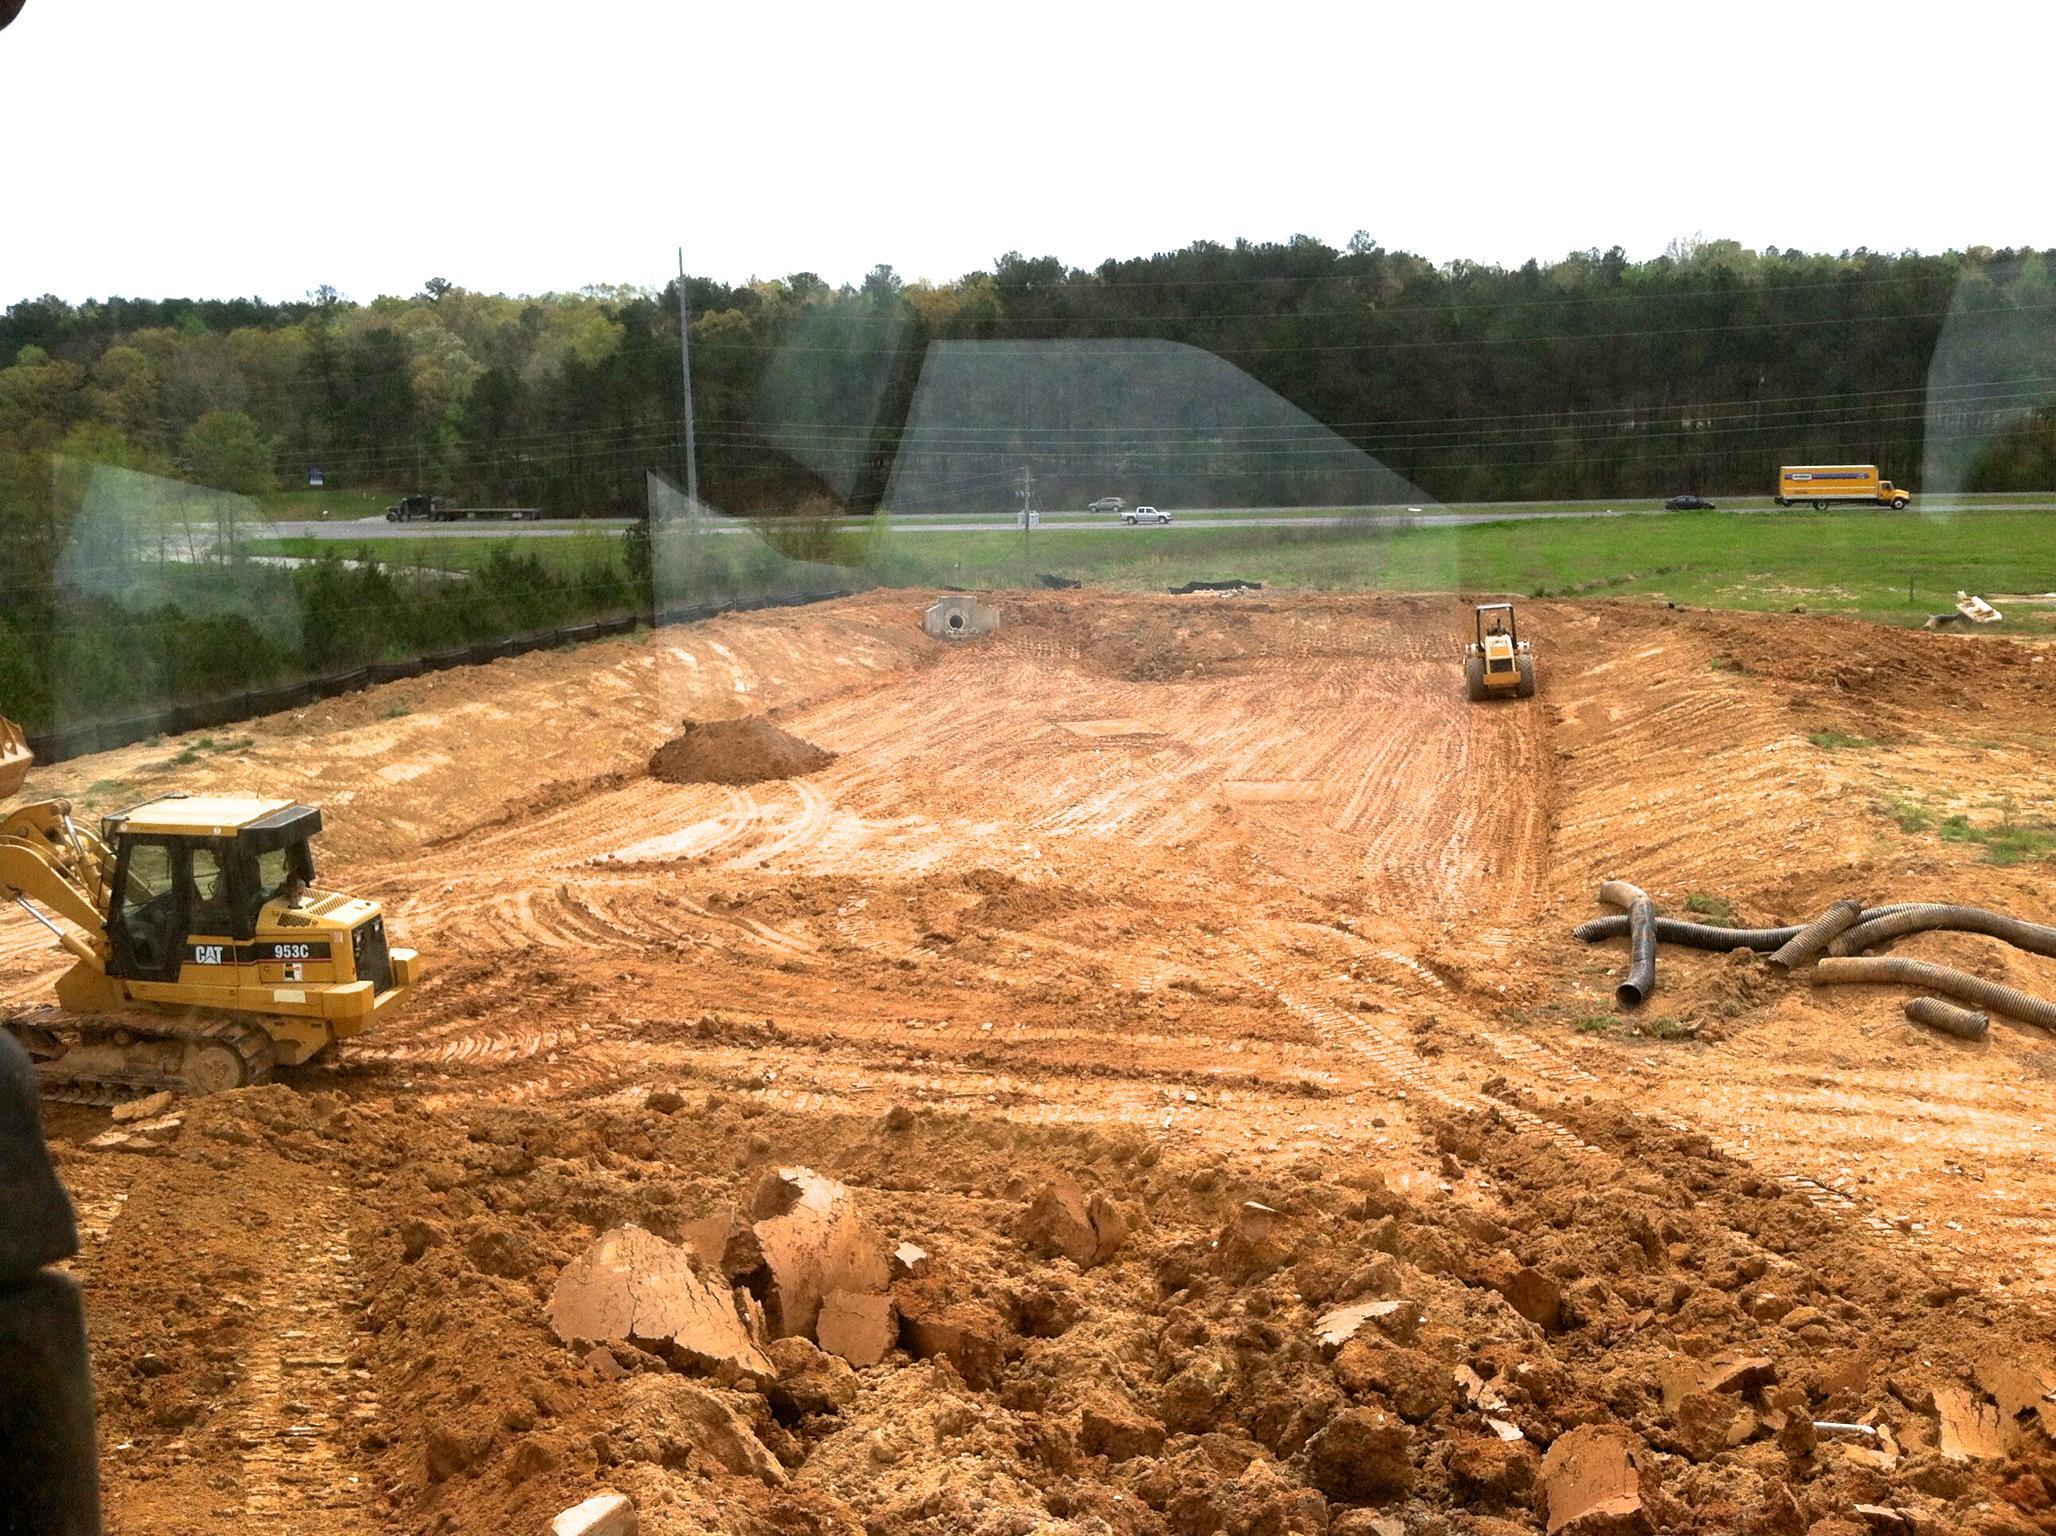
1853, 562
1856, 562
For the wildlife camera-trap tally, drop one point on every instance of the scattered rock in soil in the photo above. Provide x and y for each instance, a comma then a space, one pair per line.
148, 1107
1591, 1487
1725, 1372
810, 1381
633, 1285
969, 1335
1116, 1429
860, 1326
1256, 1240
814, 1242
909, 1262
1970, 1430
666, 1419
748, 751
1399, 1320
1527, 1290
1060, 1222
1360, 1455
604, 1514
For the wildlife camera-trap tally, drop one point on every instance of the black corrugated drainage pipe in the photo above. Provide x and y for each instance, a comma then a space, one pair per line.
2035, 938
1964, 1023
1635, 987
1672, 930
1806, 945
1989, 995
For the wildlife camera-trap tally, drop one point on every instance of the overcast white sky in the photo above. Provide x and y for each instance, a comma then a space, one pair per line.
222, 147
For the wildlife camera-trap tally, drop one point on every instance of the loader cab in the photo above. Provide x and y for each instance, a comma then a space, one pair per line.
192, 876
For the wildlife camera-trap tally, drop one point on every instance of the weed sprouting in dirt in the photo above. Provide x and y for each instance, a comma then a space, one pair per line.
1831, 740
1908, 813
1718, 911
2009, 842
1668, 1028
2006, 841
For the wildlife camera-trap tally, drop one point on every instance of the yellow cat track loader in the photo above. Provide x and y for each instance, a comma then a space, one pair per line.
202, 953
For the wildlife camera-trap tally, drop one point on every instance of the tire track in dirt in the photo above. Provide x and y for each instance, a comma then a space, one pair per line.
297, 1398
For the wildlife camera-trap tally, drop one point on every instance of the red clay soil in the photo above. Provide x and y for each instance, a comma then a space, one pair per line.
1191, 980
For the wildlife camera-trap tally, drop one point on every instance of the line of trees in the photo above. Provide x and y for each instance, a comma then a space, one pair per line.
1592, 376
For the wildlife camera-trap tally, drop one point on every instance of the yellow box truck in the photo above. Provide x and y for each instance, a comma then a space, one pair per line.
1826, 484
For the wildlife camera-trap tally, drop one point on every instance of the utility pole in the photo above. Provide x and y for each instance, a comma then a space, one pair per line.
692, 467
1028, 519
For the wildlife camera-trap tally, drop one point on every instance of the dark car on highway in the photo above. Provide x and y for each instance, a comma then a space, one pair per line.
1688, 504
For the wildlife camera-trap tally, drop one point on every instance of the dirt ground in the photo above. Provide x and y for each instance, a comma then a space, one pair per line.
1199, 901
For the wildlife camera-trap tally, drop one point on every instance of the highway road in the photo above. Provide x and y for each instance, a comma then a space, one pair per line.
359, 530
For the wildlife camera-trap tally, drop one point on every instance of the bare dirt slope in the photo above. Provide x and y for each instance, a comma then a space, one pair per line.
1197, 901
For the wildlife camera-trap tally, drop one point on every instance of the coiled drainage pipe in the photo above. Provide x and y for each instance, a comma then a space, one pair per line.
1635, 987
1964, 1023
1805, 946
1924, 917
1965, 988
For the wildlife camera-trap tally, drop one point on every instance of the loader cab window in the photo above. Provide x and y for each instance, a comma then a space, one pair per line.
210, 910
149, 932
281, 872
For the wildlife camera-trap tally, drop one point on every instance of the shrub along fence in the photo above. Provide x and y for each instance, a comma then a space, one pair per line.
55, 746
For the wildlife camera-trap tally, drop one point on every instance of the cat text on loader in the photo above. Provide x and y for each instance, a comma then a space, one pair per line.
1498, 662
203, 956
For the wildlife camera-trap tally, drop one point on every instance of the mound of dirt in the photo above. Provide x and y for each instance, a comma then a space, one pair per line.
735, 752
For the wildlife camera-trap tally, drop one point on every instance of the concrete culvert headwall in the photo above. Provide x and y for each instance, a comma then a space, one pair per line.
960, 618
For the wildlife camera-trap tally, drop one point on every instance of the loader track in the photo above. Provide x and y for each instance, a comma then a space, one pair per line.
111, 1059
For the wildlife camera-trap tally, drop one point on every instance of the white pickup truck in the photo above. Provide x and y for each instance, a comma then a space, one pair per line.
1136, 516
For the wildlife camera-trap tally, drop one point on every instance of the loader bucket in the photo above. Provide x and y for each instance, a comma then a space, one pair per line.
15, 757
